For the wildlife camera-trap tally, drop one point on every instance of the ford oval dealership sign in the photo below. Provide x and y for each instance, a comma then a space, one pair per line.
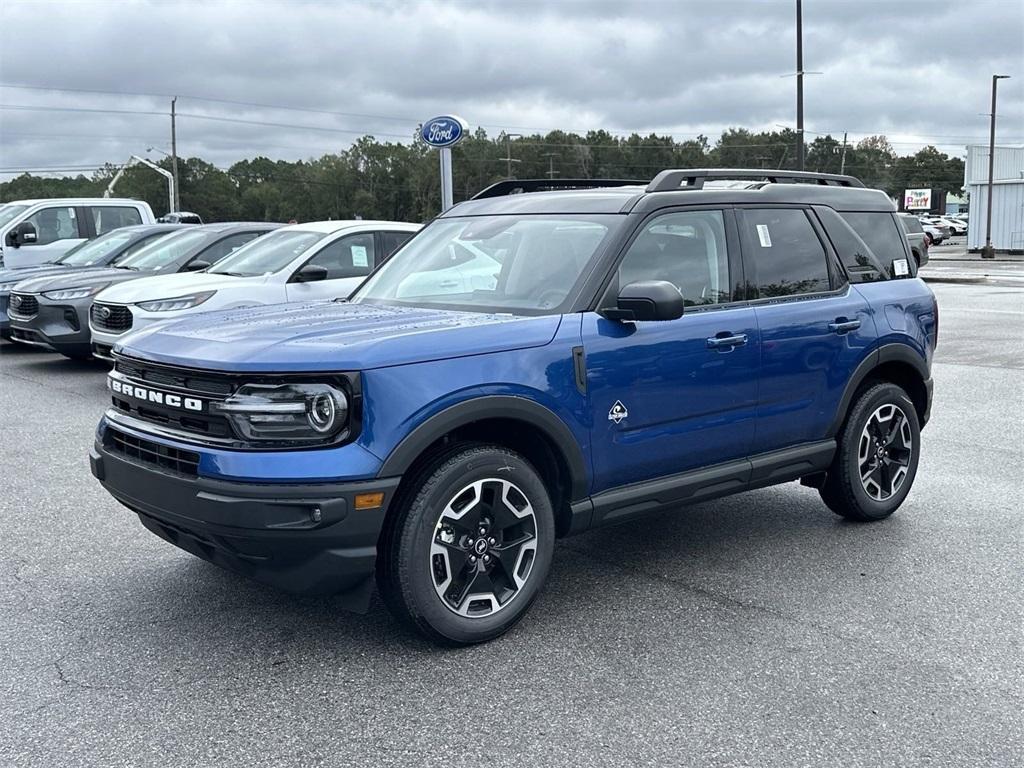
443, 131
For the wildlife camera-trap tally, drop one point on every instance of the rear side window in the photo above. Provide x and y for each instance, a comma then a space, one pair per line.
881, 234
862, 265
787, 257
108, 217
393, 241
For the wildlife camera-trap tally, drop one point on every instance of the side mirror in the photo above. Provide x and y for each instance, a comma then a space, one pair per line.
647, 300
310, 273
23, 234
197, 266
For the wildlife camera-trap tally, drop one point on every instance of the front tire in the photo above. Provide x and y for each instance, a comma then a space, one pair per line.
470, 546
876, 457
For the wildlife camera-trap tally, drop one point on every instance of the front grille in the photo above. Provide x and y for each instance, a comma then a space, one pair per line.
206, 424
111, 317
23, 305
148, 452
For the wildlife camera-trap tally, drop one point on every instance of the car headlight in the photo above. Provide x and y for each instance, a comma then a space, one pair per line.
6, 287
176, 303
70, 294
294, 412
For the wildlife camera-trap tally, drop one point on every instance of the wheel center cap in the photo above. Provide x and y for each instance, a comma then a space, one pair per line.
481, 546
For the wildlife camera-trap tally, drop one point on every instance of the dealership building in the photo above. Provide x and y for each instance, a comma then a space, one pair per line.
1007, 197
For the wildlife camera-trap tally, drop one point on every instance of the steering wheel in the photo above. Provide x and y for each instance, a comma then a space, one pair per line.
548, 297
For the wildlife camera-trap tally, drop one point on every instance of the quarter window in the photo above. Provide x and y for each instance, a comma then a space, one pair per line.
787, 256
53, 224
686, 249
351, 256
881, 234
108, 217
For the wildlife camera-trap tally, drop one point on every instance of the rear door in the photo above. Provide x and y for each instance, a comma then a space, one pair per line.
348, 260
814, 326
674, 395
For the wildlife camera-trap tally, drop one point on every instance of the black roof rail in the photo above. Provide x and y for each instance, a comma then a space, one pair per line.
519, 186
694, 178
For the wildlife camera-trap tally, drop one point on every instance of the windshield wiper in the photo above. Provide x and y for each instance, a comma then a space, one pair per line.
233, 274
125, 266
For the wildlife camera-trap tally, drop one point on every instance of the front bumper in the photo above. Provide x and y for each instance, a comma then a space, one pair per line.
63, 327
306, 538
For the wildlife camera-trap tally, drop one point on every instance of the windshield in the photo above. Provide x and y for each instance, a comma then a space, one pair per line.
96, 251
8, 212
269, 253
529, 264
166, 251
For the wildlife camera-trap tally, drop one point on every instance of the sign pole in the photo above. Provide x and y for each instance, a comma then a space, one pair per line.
443, 133
447, 196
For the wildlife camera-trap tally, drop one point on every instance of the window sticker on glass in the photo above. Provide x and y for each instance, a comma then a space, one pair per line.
900, 267
359, 258
763, 236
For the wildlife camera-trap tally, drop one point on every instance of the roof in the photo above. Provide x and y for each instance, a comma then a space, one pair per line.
327, 227
76, 201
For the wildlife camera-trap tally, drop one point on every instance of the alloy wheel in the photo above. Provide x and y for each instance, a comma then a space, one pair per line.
884, 452
483, 548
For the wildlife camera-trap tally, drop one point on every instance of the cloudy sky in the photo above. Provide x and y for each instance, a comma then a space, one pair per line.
293, 79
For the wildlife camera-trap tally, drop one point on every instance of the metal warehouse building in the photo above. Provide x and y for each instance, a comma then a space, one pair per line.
1007, 197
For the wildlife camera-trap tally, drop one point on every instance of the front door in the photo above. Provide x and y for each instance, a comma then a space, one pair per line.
58, 229
674, 395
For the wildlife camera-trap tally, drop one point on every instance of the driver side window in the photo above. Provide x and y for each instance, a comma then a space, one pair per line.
53, 224
687, 249
351, 256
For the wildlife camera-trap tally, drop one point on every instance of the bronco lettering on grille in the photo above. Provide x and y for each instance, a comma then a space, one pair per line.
154, 396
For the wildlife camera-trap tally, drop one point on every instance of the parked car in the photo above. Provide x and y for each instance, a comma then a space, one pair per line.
955, 227
53, 311
641, 348
933, 235
181, 217
105, 250
944, 231
916, 237
320, 260
37, 231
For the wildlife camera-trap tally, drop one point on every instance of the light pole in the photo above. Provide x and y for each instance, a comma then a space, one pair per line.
799, 86
988, 252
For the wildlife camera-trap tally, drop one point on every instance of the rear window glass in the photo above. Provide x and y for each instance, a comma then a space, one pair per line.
788, 257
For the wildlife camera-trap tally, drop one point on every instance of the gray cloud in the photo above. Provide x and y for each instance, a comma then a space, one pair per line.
918, 73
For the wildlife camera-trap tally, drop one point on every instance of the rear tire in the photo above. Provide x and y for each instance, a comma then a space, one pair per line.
469, 547
876, 456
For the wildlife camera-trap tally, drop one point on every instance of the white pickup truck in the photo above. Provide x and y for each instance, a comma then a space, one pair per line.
36, 231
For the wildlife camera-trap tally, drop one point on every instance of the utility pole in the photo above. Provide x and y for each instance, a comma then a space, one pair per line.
508, 152
551, 164
176, 202
842, 159
988, 252
799, 85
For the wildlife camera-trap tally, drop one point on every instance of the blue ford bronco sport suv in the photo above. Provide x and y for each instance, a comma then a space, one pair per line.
530, 366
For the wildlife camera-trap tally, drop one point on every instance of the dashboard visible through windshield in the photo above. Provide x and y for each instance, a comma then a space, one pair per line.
528, 264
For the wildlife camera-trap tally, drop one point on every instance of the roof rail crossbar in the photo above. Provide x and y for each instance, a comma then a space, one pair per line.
520, 186
694, 178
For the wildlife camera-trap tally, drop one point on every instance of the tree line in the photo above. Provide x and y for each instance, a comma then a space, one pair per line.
400, 181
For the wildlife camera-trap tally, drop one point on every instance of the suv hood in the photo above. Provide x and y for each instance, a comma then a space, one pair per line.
169, 286
77, 279
332, 336
25, 273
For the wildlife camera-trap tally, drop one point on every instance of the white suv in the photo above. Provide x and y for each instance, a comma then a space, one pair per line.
37, 231
304, 262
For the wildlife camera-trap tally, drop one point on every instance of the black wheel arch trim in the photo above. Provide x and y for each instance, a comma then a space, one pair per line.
887, 353
491, 407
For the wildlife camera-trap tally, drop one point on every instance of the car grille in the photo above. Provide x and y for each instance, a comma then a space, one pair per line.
110, 317
148, 452
207, 426
23, 305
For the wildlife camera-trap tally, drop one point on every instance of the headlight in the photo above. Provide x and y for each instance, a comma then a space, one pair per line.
6, 287
297, 412
179, 302
70, 294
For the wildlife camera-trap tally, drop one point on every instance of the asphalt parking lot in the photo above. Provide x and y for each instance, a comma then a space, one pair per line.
759, 630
